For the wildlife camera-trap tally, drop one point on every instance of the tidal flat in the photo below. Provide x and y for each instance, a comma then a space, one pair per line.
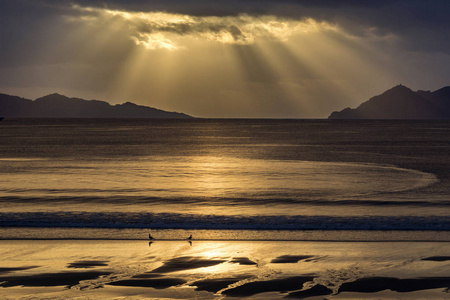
98, 269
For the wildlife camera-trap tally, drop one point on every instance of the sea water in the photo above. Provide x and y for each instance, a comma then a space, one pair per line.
225, 179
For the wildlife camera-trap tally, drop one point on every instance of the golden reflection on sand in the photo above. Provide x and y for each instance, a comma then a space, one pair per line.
217, 269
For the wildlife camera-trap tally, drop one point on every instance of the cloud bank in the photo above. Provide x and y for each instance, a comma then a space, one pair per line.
155, 29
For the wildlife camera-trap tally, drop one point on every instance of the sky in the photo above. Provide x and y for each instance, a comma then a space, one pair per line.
224, 59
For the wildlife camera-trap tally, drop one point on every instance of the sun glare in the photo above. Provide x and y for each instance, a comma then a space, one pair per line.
156, 30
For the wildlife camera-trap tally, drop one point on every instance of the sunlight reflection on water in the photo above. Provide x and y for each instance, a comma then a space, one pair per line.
203, 176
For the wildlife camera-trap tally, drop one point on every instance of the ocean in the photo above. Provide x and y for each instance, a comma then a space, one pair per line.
225, 179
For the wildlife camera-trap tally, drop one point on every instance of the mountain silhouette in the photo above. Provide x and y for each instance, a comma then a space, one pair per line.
401, 102
59, 106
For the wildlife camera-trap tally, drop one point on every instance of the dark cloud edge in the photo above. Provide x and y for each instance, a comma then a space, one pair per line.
421, 25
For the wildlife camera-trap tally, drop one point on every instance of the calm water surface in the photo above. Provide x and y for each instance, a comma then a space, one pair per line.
224, 175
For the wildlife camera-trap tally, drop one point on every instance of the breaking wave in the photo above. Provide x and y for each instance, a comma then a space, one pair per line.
193, 221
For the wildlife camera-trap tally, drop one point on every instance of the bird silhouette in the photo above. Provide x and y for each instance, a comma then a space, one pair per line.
190, 237
150, 237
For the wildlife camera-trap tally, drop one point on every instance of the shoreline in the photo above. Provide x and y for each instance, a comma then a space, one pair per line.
35, 233
102, 263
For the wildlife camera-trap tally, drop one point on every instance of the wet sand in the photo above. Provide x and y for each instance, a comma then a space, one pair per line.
60, 269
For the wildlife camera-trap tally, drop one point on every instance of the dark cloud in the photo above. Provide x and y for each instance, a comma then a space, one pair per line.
422, 25
225, 7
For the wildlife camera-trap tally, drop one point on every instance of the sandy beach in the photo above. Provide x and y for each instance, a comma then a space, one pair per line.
96, 269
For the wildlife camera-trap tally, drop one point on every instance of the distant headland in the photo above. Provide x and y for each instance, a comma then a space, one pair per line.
401, 102
60, 106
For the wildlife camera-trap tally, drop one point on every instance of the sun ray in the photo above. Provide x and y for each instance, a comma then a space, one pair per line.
220, 66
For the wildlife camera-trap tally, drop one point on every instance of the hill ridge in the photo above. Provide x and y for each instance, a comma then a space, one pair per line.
60, 106
400, 102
